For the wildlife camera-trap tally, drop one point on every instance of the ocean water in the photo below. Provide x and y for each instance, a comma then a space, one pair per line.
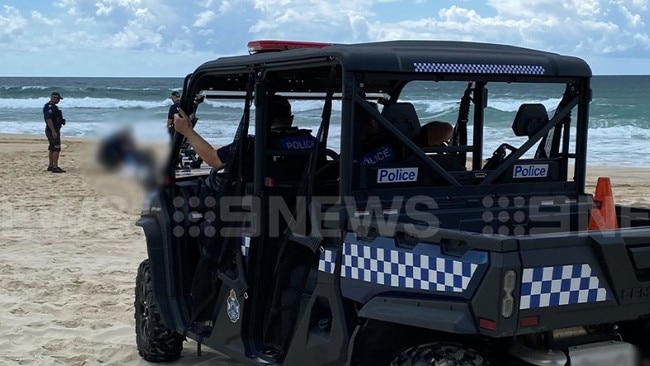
619, 131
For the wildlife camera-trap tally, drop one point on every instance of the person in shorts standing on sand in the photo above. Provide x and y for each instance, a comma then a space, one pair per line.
173, 109
53, 120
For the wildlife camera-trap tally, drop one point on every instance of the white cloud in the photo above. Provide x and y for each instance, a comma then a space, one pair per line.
131, 4
360, 27
585, 28
585, 8
69, 5
204, 18
641, 5
136, 35
48, 21
103, 10
634, 20
207, 3
11, 22
205, 32
226, 6
142, 13
577, 27
313, 20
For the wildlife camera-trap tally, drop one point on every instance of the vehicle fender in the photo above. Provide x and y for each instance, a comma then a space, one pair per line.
153, 236
446, 316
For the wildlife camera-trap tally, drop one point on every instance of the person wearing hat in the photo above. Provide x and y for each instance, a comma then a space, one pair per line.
53, 120
173, 109
282, 135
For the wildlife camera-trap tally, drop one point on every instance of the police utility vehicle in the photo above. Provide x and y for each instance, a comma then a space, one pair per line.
467, 252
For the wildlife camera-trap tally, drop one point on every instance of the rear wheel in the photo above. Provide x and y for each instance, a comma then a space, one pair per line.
156, 342
439, 354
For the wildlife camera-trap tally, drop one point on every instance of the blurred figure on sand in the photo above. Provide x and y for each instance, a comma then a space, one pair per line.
119, 153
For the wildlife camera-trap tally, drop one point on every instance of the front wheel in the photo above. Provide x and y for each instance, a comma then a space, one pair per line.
156, 342
439, 354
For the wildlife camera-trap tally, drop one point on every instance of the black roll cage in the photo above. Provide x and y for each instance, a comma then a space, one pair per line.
307, 78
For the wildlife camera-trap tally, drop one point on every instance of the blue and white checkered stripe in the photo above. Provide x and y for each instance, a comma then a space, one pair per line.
245, 245
403, 269
327, 261
560, 285
478, 68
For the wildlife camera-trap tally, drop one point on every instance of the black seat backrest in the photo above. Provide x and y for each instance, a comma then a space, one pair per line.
284, 163
403, 116
530, 118
287, 165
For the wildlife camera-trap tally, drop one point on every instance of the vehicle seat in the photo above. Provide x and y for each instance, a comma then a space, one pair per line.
403, 116
434, 133
530, 118
282, 166
288, 165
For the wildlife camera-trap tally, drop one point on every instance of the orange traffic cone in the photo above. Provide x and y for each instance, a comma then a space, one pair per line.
603, 214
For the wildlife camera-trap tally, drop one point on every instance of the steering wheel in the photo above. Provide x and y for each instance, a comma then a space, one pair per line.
501, 150
499, 156
214, 181
333, 159
333, 155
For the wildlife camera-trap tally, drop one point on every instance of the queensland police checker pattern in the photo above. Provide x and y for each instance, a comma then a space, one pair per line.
405, 269
478, 68
560, 285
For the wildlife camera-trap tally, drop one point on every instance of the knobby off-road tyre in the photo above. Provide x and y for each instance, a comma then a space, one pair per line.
156, 342
439, 354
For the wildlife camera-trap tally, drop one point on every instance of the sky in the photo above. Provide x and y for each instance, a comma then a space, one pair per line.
164, 38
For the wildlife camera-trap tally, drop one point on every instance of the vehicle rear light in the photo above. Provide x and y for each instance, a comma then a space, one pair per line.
274, 46
487, 324
269, 182
529, 321
508, 301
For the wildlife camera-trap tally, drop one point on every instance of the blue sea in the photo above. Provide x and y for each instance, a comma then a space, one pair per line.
94, 107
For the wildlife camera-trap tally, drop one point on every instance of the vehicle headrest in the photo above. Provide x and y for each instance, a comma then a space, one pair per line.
530, 119
403, 116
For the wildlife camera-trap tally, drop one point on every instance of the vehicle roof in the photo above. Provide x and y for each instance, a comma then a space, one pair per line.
421, 56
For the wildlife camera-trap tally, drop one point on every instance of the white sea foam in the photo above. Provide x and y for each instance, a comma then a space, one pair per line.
618, 135
83, 103
512, 104
620, 145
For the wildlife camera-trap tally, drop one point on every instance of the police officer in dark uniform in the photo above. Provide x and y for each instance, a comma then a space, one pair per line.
374, 146
282, 135
53, 120
173, 109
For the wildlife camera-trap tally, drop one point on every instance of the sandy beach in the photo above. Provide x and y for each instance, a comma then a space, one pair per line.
69, 252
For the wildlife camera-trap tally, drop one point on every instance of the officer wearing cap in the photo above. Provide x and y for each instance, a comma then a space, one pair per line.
173, 109
282, 136
54, 120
